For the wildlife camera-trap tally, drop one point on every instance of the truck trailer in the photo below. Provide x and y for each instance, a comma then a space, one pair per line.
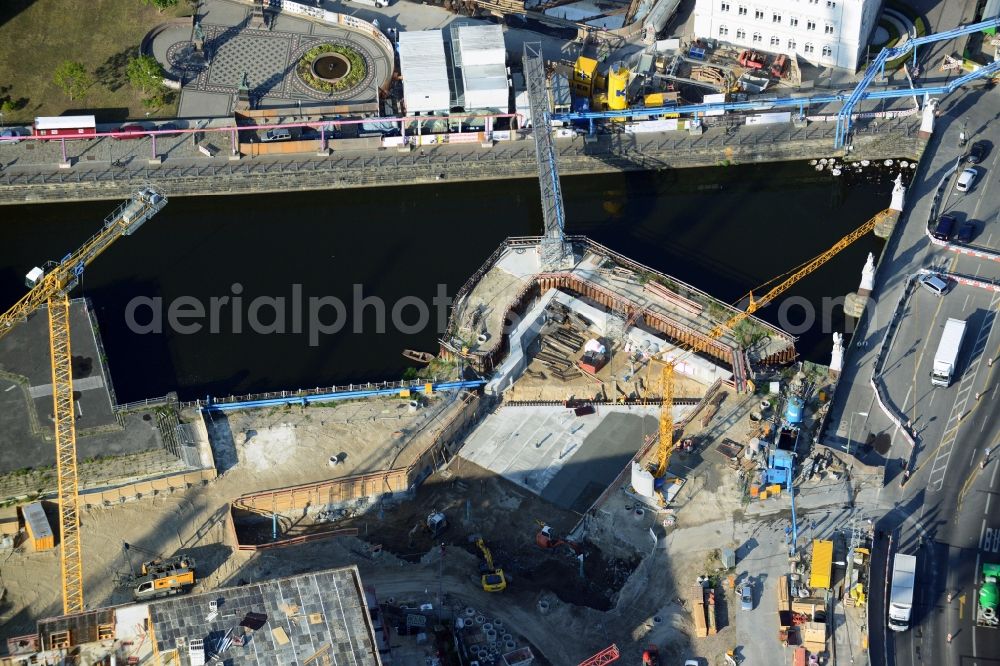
904, 572
989, 597
946, 356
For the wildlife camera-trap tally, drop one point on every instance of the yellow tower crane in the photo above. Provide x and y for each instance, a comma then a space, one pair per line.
666, 443
51, 286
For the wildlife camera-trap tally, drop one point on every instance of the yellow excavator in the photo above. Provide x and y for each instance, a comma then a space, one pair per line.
493, 578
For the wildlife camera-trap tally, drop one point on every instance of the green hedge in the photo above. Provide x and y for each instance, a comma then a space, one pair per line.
357, 74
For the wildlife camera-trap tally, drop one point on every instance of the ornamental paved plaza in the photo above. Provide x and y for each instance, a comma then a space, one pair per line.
267, 56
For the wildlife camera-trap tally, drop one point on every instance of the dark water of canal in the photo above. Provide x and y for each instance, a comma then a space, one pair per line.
725, 230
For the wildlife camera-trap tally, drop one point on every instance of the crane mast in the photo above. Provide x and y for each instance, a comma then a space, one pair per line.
51, 287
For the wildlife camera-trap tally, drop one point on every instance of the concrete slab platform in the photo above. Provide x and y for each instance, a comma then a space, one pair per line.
567, 460
24, 357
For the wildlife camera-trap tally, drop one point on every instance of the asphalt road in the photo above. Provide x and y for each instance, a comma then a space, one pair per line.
942, 514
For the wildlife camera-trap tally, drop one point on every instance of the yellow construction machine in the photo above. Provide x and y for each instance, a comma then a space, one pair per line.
493, 579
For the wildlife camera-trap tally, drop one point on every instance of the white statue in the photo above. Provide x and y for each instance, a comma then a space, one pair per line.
837, 357
898, 194
927, 119
868, 274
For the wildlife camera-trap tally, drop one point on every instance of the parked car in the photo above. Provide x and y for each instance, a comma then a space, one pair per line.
935, 284
978, 152
280, 134
965, 232
966, 179
129, 132
746, 597
9, 135
170, 128
945, 227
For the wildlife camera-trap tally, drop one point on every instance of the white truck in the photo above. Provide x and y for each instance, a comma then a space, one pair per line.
904, 573
946, 356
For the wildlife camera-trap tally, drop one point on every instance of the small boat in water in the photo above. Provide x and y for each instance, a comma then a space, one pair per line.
418, 356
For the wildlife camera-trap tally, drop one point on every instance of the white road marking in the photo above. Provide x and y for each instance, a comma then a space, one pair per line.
965, 306
939, 468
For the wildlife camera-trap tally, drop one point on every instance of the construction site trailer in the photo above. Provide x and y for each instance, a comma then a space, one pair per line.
822, 564
64, 126
39, 530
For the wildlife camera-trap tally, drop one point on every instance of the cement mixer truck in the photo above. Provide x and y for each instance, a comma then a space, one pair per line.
989, 597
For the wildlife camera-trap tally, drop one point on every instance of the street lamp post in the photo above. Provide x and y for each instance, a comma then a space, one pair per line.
850, 429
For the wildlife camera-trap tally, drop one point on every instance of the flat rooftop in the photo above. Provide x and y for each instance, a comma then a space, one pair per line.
566, 459
315, 618
319, 617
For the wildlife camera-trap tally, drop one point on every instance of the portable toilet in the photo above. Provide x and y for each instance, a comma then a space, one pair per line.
39, 530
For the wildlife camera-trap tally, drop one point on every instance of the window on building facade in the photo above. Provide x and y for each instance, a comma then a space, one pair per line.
808, 48
810, 25
741, 33
775, 41
757, 39
791, 44
828, 29
776, 18
742, 11
725, 6
723, 31
827, 51
758, 14
793, 21
831, 4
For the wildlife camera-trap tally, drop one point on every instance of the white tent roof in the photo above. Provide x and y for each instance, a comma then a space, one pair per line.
482, 45
484, 69
424, 71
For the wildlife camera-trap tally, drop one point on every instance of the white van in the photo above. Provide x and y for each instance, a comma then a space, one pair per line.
966, 180
934, 284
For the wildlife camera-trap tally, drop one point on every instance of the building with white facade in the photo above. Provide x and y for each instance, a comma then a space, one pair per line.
825, 33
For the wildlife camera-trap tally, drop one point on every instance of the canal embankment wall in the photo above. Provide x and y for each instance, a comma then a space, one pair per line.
345, 169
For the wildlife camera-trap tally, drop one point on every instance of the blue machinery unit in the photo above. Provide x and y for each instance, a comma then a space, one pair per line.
860, 92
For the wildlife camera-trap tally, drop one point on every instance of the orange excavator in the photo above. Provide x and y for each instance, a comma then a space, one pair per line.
547, 539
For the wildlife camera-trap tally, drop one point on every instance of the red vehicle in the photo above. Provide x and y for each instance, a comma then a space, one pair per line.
779, 67
651, 656
65, 127
752, 60
129, 132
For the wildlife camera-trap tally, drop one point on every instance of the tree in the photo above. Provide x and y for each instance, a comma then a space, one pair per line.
145, 73
160, 4
72, 78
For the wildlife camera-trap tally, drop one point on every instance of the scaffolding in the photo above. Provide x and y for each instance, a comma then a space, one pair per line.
556, 253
